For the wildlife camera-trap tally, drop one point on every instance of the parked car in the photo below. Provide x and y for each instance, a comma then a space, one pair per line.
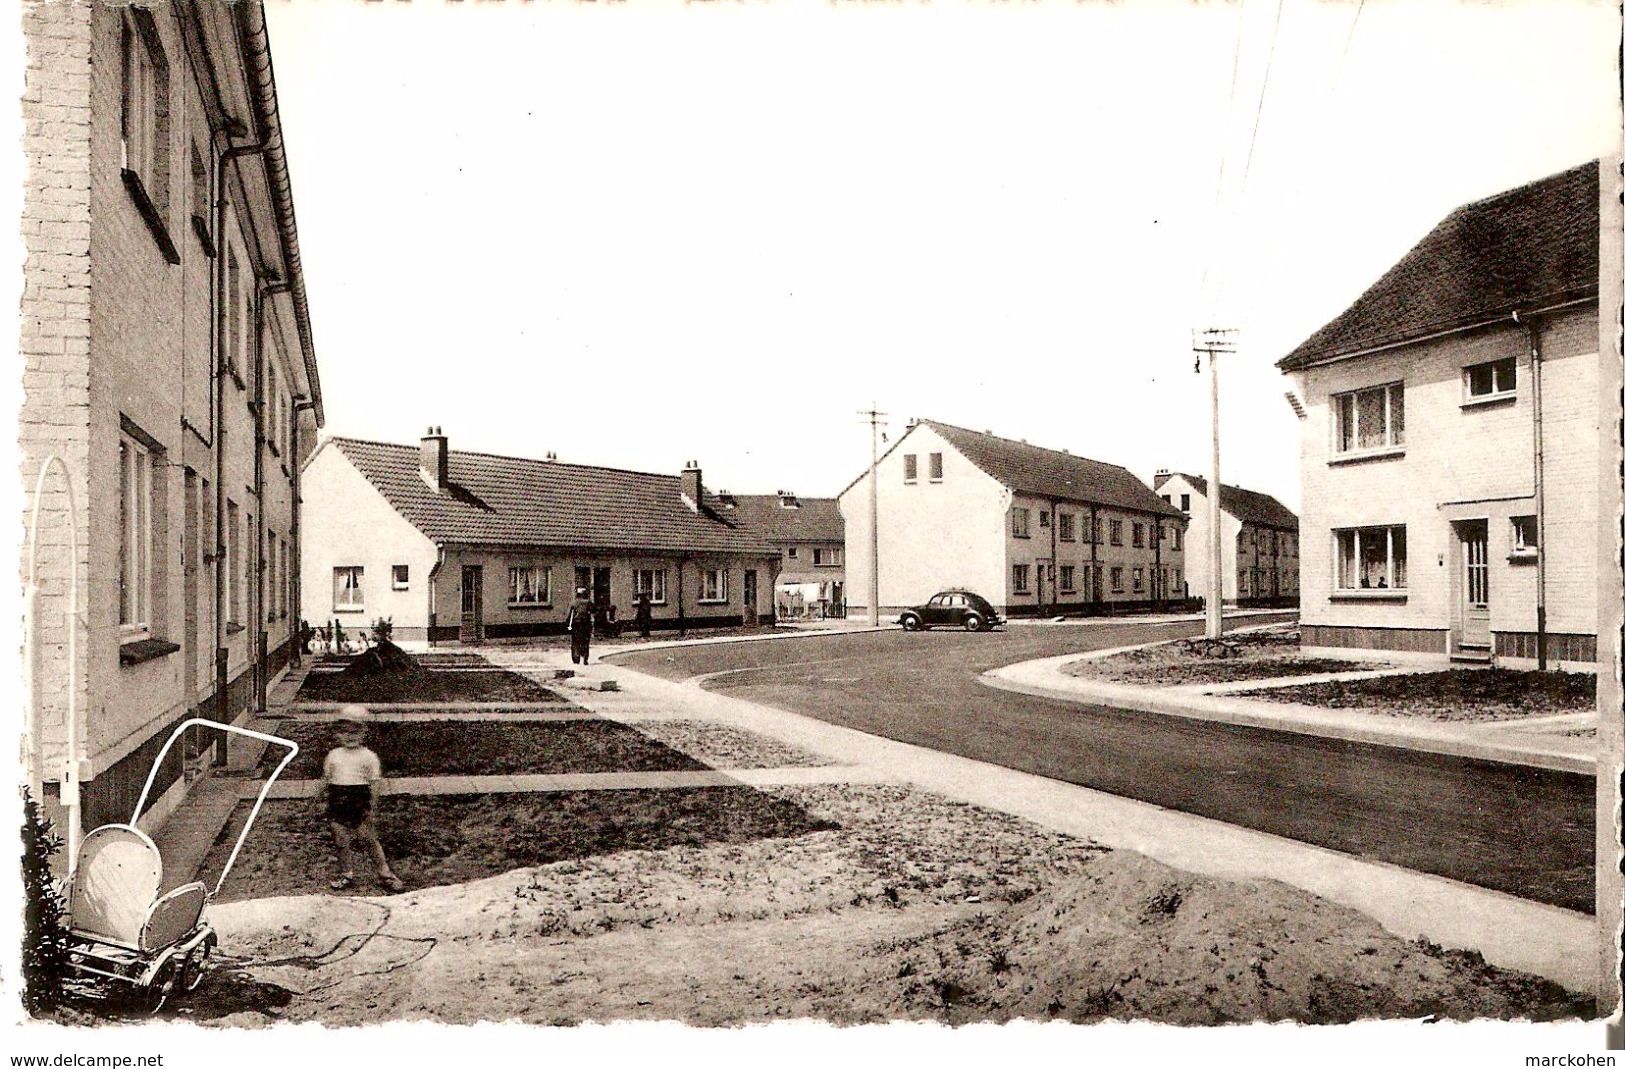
952, 608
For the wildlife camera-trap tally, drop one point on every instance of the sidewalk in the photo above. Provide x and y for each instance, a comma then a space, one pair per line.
1508, 931
1536, 741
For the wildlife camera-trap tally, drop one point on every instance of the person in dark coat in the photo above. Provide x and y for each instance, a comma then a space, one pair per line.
579, 624
644, 616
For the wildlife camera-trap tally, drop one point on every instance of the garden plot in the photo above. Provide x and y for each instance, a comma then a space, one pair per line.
461, 683
487, 748
846, 903
722, 746
1463, 694
1254, 655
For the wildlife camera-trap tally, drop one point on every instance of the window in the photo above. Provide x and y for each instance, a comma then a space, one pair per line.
1176, 587
1139, 534
1139, 579
347, 593
270, 575
1492, 381
528, 584
1184, 502
1117, 579
713, 585
400, 576
1370, 419
1067, 578
650, 581
1068, 526
1525, 536
911, 468
1242, 577
1168, 498
1117, 532
144, 127
135, 537
936, 467
790, 553
1043, 518
1371, 558
1019, 519
1020, 578
826, 558
1094, 530
1179, 537
234, 555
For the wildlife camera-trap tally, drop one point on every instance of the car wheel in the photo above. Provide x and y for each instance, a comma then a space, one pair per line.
911, 623
973, 623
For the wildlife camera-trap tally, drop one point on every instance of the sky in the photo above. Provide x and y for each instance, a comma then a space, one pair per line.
646, 233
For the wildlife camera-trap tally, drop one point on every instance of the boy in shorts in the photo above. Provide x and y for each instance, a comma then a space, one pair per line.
349, 775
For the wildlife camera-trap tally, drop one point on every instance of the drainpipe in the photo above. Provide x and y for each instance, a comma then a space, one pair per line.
434, 577
296, 567
682, 621
1531, 329
68, 784
262, 664
1156, 562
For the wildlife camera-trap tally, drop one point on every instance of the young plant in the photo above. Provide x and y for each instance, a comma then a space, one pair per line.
45, 932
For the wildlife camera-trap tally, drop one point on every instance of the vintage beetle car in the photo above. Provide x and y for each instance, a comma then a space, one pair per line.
952, 608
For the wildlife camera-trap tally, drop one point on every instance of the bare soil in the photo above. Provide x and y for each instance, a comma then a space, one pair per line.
456, 684
1254, 655
486, 748
1480, 694
864, 905
722, 746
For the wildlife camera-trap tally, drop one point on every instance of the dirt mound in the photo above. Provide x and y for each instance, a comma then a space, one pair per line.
1131, 939
384, 657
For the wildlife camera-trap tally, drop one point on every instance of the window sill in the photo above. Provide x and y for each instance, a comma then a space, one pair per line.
233, 627
403, 586
1370, 595
936, 481
1360, 456
349, 608
1523, 558
712, 601
1024, 536
530, 604
911, 482
150, 215
1491, 400
144, 649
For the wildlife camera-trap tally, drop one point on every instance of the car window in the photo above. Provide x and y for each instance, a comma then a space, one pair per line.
958, 601
939, 600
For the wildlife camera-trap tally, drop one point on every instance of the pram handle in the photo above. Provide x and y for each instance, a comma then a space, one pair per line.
293, 751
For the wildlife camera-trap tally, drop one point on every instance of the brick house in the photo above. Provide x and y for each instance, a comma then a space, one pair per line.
1035, 531
1450, 437
459, 546
1258, 538
810, 536
168, 366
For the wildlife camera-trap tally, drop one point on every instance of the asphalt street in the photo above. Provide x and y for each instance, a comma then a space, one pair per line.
1525, 831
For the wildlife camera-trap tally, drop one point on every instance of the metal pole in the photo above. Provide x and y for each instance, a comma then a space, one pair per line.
1215, 556
874, 515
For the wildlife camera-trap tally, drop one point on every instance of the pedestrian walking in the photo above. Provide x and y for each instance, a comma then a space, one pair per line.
579, 624
644, 616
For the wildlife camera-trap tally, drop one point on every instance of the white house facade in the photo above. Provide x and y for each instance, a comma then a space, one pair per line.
1258, 541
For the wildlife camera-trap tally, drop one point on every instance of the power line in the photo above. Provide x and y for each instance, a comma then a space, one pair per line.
1224, 145
1269, 59
1347, 41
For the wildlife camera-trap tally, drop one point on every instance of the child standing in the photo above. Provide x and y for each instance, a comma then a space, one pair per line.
350, 775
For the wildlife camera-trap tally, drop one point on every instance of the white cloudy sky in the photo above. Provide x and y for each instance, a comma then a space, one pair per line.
642, 233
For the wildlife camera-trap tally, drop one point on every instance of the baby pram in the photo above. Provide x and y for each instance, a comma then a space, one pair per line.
128, 943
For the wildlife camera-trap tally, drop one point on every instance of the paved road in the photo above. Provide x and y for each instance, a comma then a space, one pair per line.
1525, 831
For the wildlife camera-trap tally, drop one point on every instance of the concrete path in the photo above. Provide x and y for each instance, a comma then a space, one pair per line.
589, 781
1528, 742
1508, 931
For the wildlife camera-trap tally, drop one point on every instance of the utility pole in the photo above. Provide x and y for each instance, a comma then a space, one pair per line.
1213, 341
874, 417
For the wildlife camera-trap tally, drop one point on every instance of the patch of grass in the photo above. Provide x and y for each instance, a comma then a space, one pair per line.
1451, 695
487, 748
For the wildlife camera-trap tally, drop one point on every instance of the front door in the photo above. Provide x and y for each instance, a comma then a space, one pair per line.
750, 597
1475, 583
600, 589
470, 627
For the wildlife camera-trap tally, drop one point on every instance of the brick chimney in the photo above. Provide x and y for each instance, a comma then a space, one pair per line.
432, 458
692, 488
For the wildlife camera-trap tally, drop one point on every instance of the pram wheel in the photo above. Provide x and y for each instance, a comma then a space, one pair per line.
156, 994
195, 965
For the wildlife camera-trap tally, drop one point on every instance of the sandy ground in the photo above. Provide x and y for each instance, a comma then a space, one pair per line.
891, 904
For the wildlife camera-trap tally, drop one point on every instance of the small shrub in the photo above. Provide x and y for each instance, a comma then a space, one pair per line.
383, 630
45, 934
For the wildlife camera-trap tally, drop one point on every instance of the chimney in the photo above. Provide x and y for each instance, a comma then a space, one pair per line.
691, 485
432, 458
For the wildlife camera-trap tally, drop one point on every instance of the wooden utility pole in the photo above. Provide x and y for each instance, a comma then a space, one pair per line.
1213, 341
874, 417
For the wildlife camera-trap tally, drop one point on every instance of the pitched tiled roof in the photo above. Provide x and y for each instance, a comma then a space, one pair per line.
1043, 472
1249, 506
496, 500
1530, 247
818, 519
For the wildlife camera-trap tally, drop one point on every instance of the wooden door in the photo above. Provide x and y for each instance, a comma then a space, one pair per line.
470, 627
1475, 585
